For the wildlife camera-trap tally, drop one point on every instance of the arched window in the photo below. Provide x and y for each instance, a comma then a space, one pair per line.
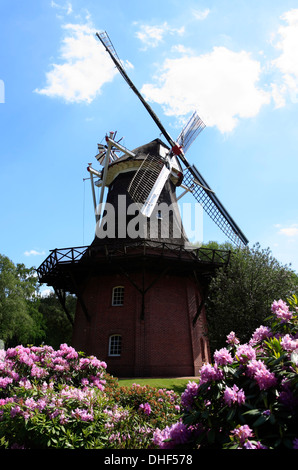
118, 296
115, 345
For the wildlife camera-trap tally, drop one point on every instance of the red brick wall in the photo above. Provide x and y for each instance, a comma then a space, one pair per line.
164, 343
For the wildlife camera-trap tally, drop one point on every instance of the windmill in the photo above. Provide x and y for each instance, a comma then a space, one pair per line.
148, 182
139, 298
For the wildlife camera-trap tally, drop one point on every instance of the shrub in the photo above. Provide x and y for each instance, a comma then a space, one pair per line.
248, 398
62, 399
161, 405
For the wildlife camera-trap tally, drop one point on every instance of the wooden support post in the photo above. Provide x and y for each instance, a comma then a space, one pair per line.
60, 293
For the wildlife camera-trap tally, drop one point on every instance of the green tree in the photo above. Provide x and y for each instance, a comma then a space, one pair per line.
20, 320
58, 328
240, 295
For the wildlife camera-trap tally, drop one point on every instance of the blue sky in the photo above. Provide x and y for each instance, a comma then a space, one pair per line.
235, 62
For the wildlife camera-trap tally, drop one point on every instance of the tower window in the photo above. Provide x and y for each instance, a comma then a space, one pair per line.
115, 345
118, 296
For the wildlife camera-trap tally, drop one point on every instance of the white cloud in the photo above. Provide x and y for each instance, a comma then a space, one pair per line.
201, 14
84, 69
291, 231
34, 253
151, 36
287, 62
181, 49
220, 85
67, 7
278, 94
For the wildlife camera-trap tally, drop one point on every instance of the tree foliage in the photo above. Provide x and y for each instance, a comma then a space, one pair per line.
240, 295
58, 329
25, 316
19, 315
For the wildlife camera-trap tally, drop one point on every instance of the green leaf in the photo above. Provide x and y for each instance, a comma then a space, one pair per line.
261, 420
231, 414
272, 419
254, 412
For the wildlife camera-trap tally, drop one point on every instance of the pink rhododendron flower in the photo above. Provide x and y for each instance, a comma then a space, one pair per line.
278, 305
187, 397
15, 410
160, 438
265, 379
84, 415
253, 445
3, 401
178, 433
232, 339
30, 403
5, 381
242, 433
14, 375
115, 414
38, 372
245, 353
234, 395
281, 310
253, 366
288, 343
96, 382
209, 373
260, 334
146, 408
41, 404
223, 357
259, 371
25, 383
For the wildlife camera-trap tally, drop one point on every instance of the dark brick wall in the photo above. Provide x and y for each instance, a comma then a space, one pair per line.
163, 343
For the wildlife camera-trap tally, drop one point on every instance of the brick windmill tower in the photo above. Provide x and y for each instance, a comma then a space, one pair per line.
140, 287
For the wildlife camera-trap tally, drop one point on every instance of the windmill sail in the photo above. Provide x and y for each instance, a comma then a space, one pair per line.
192, 178
107, 43
105, 40
190, 132
148, 182
150, 178
212, 206
152, 199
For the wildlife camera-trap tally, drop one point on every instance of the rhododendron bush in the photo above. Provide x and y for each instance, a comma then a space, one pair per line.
61, 399
248, 398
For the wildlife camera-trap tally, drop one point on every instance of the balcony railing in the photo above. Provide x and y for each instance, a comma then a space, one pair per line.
69, 256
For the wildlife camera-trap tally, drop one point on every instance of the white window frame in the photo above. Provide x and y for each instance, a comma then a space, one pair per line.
115, 345
118, 296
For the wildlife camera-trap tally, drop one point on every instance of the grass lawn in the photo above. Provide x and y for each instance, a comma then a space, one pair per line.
178, 385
